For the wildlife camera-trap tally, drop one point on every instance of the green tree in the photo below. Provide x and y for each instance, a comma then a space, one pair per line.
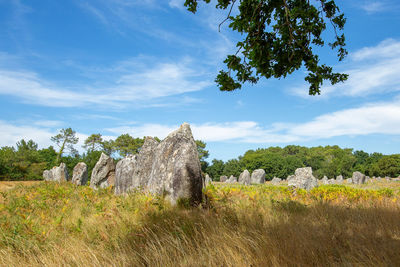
387, 166
65, 140
216, 169
48, 155
203, 154
279, 37
91, 158
126, 144
108, 147
233, 167
93, 142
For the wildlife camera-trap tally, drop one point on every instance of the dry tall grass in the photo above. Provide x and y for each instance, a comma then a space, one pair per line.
65, 225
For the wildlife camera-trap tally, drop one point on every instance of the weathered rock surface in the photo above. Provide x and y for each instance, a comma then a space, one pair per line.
358, 178
303, 178
276, 180
103, 173
124, 174
258, 176
223, 178
80, 174
56, 174
324, 180
170, 168
349, 180
232, 179
339, 179
244, 177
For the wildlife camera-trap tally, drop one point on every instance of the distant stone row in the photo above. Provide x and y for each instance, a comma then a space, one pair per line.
303, 178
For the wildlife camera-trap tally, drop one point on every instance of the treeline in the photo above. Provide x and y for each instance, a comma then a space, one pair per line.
329, 160
26, 162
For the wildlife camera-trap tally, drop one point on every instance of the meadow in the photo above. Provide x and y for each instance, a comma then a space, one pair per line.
51, 224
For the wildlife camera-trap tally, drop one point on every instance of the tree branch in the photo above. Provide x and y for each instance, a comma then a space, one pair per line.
227, 17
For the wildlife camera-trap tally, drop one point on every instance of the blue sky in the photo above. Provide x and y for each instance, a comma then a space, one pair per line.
144, 67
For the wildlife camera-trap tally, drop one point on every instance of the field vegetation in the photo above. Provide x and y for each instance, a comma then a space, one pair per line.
51, 224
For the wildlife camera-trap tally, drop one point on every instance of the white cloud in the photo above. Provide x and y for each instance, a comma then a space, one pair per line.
387, 49
372, 70
374, 7
136, 83
378, 118
375, 118
10, 134
177, 4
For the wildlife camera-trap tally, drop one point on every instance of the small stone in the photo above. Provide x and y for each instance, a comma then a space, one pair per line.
207, 180
276, 180
304, 179
244, 177
232, 179
103, 173
57, 174
332, 181
358, 178
80, 174
223, 178
258, 176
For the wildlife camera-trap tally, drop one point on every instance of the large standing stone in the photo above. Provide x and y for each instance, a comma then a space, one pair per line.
276, 181
258, 176
134, 171
358, 178
303, 178
349, 180
339, 179
176, 170
170, 168
80, 174
223, 178
103, 173
57, 174
244, 177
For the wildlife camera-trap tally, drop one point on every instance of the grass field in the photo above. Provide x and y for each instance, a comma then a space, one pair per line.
50, 224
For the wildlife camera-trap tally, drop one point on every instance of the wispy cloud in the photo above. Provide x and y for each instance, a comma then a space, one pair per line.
372, 7
177, 4
137, 83
372, 70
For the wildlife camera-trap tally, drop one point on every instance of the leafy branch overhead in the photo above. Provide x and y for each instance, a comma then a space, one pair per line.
279, 38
